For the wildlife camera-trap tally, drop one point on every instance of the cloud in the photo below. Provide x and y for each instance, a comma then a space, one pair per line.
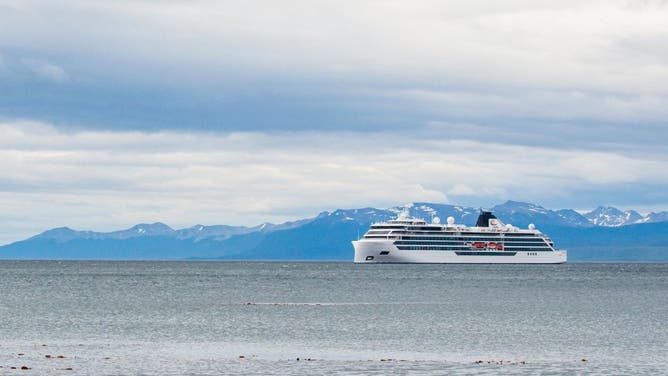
240, 112
526, 44
46, 70
578, 61
105, 180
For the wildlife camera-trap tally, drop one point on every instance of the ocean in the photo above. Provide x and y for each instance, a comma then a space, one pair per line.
213, 318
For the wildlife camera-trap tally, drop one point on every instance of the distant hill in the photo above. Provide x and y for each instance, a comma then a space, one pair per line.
605, 234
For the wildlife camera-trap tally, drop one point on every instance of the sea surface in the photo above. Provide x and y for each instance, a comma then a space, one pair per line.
212, 318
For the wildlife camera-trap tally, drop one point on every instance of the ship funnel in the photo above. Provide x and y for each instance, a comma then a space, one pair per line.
486, 218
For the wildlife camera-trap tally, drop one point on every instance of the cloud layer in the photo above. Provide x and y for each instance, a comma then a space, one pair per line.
240, 112
105, 180
263, 65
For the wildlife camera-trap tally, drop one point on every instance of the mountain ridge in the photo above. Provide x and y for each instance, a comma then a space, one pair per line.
327, 236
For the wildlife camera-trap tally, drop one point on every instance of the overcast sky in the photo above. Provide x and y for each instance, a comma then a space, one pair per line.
240, 112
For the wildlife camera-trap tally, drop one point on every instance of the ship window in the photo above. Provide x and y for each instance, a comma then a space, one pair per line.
385, 252
369, 258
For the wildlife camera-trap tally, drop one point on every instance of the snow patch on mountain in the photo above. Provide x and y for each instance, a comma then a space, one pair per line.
612, 217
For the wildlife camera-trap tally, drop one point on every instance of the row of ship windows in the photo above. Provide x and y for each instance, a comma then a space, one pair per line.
399, 227
472, 240
468, 245
506, 243
466, 238
463, 240
439, 230
453, 236
458, 242
487, 237
443, 248
402, 242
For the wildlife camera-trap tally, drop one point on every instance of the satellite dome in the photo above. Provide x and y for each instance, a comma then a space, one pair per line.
436, 220
532, 226
451, 220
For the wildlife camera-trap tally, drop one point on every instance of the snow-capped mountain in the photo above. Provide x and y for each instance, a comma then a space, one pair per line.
63, 234
327, 236
522, 213
612, 217
512, 212
364, 215
195, 233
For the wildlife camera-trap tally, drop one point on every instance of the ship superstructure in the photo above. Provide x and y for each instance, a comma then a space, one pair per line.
413, 240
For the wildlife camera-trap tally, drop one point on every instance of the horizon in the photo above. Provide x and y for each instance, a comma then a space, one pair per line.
119, 113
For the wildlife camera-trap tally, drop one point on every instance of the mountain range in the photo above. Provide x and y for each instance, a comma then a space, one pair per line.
604, 234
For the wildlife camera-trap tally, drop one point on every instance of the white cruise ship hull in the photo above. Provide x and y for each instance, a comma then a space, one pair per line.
384, 251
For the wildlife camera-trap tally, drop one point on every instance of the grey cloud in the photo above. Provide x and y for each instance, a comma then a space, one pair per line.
169, 106
648, 49
246, 178
309, 65
535, 43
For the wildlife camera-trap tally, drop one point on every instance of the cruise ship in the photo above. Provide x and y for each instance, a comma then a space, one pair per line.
413, 240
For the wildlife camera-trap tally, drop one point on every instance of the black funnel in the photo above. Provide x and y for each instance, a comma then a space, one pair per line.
483, 218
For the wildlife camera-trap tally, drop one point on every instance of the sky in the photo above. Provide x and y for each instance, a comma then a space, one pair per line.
240, 112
